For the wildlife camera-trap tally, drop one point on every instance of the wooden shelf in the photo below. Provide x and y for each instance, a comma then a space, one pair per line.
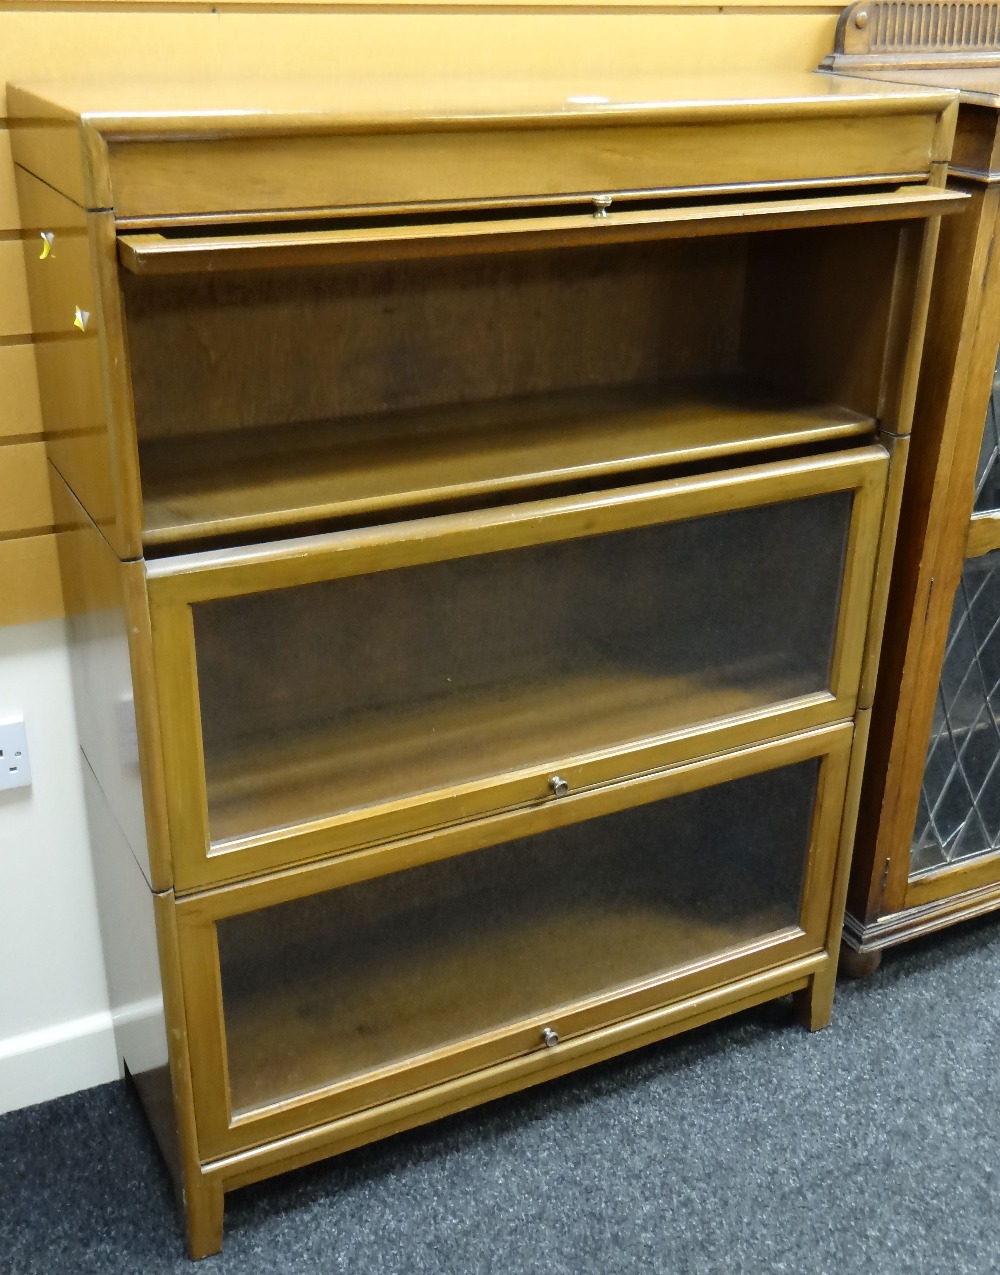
364, 762
241, 482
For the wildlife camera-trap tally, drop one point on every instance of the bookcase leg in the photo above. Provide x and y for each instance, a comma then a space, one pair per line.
203, 1209
813, 1005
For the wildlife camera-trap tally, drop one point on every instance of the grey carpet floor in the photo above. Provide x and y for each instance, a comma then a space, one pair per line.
747, 1146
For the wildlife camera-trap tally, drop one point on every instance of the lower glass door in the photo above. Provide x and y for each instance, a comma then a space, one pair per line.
429, 960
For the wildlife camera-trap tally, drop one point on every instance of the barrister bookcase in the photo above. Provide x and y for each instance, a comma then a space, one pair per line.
928, 842
483, 497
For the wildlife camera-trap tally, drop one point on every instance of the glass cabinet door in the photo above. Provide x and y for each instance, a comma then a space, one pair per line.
958, 817
463, 950
340, 711
382, 687
959, 813
987, 499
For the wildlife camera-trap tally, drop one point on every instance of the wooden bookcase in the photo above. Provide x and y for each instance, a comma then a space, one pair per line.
483, 499
928, 842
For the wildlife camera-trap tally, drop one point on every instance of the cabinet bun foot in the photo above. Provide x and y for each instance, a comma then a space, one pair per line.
855, 964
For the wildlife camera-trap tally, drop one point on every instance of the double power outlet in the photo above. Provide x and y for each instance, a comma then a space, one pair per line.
15, 769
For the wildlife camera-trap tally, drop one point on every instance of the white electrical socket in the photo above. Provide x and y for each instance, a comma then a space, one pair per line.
15, 769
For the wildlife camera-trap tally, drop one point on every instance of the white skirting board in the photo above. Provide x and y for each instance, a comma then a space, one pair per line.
57, 1060
55, 1025
61, 1059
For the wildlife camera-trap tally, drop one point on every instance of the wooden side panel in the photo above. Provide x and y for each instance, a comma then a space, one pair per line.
807, 320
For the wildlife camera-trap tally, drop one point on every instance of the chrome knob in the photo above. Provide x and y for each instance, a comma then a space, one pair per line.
601, 205
558, 786
549, 1037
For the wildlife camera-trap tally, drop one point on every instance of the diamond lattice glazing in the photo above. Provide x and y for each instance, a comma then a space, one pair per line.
959, 813
988, 468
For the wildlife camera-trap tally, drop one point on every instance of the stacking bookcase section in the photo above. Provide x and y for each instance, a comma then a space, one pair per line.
435, 670
480, 563
286, 393
362, 982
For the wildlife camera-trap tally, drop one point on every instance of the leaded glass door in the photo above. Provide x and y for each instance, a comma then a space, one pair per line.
956, 837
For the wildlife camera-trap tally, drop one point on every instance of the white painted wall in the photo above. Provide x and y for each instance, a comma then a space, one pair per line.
55, 1026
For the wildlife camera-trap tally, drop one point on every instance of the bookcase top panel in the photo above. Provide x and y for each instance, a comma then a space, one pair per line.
232, 149
236, 107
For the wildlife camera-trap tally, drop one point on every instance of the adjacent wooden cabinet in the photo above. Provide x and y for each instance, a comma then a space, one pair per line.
482, 501
928, 844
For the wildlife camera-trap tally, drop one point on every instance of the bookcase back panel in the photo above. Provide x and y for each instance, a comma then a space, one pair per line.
262, 348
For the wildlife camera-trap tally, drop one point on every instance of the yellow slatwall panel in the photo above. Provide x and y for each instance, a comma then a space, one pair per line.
25, 498
15, 315
653, 38
29, 579
30, 587
8, 195
120, 38
20, 414
314, 7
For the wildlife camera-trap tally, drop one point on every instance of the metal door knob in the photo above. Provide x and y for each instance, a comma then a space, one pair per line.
558, 786
549, 1037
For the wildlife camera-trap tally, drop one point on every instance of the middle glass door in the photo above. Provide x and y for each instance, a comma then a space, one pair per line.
341, 711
